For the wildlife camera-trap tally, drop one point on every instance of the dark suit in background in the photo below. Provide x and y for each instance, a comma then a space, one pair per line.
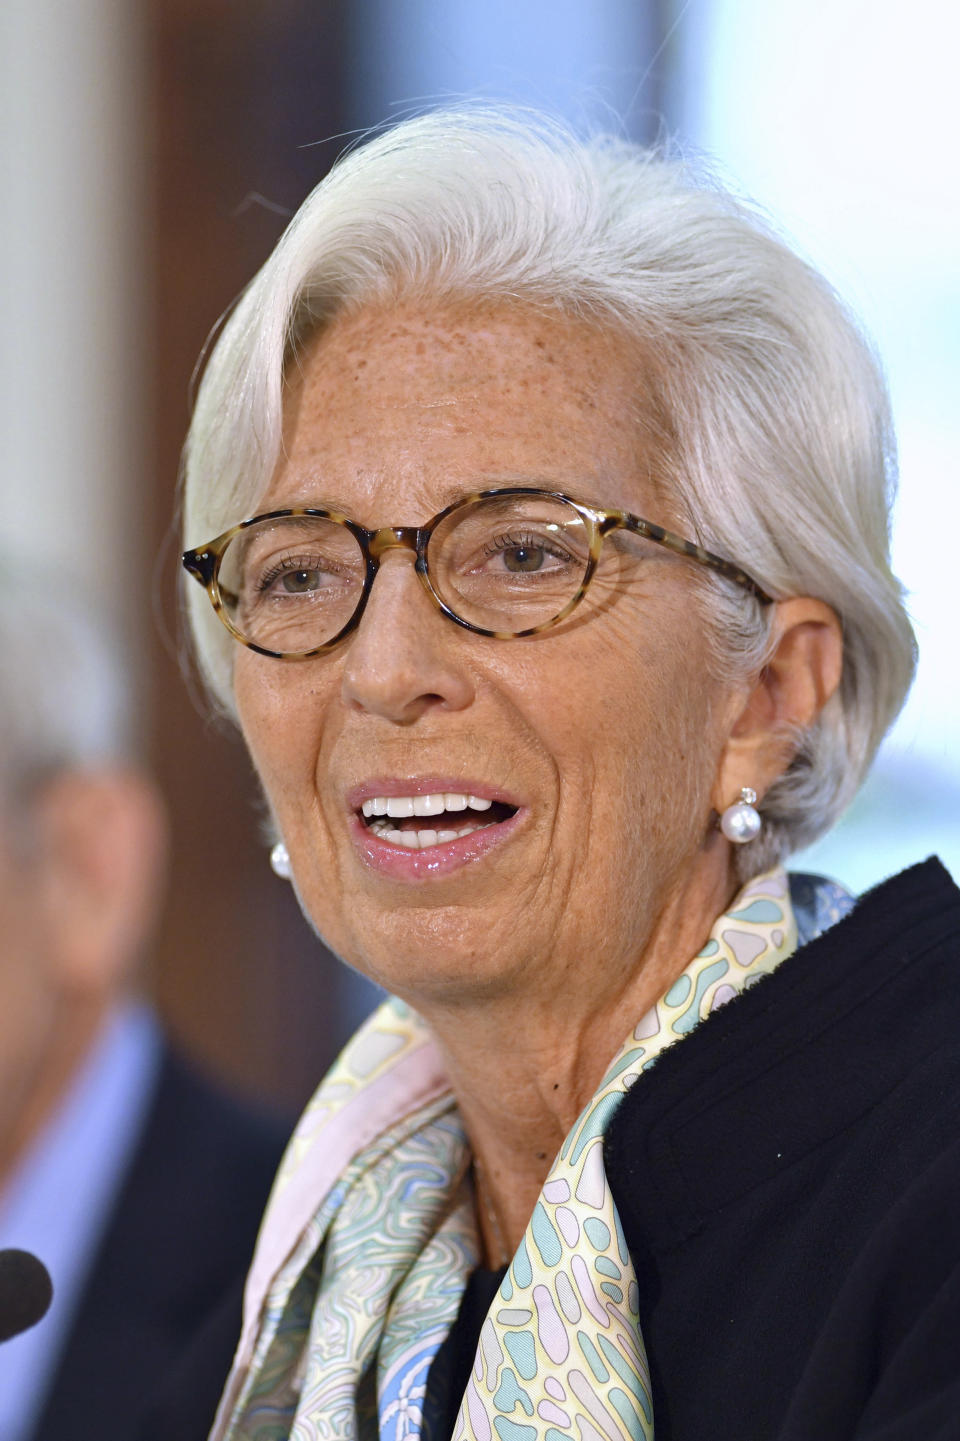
160, 1314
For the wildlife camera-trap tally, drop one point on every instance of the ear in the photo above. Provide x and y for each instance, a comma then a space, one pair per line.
799, 678
104, 837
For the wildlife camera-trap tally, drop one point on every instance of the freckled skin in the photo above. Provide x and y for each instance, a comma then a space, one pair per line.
595, 726
608, 729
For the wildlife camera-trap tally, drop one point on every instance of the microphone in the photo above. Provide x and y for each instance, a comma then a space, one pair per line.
25, 1291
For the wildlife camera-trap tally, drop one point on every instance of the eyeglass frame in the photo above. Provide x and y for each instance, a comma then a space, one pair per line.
203, 562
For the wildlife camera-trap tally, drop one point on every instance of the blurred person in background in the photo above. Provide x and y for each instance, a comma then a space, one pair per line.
538, 494
135, 1180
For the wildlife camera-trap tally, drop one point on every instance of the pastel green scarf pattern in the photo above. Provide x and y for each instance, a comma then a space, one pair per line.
354, 1317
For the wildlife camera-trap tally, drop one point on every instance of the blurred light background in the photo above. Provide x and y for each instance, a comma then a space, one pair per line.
150, 151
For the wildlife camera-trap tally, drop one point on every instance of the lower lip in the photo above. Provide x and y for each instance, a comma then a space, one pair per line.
405, 864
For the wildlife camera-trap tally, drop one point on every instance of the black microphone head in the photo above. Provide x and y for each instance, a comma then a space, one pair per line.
25, 1291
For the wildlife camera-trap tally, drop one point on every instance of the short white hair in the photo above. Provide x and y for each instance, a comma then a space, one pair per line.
770, 410
64, 702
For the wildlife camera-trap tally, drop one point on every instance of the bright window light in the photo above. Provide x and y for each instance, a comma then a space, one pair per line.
839, 117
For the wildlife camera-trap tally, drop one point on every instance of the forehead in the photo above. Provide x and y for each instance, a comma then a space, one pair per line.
419, 404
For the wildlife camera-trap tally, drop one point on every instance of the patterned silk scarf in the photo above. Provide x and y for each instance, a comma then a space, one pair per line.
370, 1237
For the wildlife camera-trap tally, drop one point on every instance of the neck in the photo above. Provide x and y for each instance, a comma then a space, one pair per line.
522, 1066
29, 1105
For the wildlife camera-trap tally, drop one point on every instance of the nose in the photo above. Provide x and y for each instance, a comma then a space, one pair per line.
405, 658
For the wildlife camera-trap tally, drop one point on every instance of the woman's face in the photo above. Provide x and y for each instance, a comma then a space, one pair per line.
598, 742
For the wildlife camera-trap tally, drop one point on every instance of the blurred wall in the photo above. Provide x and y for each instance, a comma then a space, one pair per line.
588, 60
239, 95
75, 302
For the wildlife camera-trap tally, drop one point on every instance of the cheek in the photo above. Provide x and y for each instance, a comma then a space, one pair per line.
282, 721
653, 729
28, 989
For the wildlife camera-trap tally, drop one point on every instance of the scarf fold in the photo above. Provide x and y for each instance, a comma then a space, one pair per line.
370, 1236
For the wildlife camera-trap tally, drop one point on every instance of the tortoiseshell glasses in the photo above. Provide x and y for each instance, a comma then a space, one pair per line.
505, 563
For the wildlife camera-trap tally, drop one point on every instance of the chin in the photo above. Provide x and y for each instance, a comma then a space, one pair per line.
433, 955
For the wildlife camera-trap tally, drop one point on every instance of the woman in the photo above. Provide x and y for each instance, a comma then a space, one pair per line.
550, 500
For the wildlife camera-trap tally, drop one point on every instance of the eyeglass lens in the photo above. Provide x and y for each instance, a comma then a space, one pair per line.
508, 564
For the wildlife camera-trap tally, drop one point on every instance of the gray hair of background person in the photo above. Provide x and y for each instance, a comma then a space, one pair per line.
63, 701
761, 406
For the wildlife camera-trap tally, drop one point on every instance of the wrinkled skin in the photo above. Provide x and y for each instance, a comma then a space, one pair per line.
532, 961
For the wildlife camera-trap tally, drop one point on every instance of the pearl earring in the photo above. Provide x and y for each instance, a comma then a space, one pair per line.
280, 861
741, 822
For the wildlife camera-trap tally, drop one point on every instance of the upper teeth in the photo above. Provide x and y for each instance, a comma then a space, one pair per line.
433, 805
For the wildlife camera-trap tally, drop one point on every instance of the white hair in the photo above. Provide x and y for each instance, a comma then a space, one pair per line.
768, 407
64, 704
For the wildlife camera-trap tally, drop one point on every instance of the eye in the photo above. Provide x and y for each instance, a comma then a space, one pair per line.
526, 554
296, 576
295, 582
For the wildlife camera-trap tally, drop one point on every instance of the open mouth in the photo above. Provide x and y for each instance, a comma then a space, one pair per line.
421, 821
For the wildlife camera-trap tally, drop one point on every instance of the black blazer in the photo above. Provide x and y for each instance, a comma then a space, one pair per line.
160, 1315
788, 1179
